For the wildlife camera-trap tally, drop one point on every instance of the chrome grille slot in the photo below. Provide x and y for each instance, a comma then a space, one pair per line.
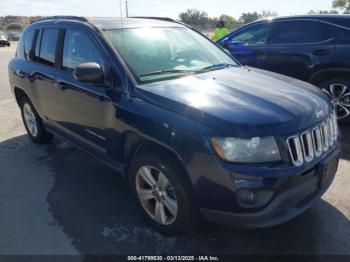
313, 143
296, 150
308, 147
335, 125
331, 132
317, 138
325, 137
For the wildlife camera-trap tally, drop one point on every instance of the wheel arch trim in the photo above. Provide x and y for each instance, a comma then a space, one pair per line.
323, 74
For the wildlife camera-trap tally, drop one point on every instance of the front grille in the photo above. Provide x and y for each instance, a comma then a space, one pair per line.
313, 143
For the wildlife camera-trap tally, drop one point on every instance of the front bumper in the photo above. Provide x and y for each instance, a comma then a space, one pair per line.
286, 206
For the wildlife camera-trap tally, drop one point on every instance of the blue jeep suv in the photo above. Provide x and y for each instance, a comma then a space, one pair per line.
194, 132
313, 48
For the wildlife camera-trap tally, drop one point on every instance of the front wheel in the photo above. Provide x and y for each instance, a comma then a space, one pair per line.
338, 91
162, 194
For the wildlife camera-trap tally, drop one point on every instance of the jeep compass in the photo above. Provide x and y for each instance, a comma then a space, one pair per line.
195, 133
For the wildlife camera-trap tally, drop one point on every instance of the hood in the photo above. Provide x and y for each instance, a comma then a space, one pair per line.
241, 102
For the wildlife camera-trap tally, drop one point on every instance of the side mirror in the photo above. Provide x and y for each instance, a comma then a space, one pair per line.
88, 72
224, 43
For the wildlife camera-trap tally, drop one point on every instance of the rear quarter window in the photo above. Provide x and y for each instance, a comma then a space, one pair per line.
28, 42
20, 49
25, 45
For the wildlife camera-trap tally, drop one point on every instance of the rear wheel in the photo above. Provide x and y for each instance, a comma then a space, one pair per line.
32, 123
338, 91
162, 194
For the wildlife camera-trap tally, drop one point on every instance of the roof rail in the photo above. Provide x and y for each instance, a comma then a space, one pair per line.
78, 18
154, 18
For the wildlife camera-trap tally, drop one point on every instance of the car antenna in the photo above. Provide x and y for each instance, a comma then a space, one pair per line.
126, 84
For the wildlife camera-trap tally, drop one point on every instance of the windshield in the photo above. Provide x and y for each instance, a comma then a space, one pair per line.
155, 54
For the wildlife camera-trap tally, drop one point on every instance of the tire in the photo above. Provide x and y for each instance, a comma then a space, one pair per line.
338, 89
176, 221
9, 44
33, 123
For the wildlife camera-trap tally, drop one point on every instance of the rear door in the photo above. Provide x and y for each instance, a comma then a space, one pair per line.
342, 54
248, 44
43, 70
298, 48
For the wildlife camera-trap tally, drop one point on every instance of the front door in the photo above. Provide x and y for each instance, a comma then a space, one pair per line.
248, 45
87, 109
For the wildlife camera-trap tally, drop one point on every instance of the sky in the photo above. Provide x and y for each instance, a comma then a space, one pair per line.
157, 7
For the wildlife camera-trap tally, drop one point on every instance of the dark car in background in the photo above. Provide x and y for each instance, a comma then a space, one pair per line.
4, 41
315, 49
14, 36
195, 133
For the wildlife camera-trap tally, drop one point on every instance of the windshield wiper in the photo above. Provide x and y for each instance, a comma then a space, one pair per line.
181, 71
217, 66
166, 71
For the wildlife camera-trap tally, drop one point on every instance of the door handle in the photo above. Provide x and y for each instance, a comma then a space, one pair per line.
101, 98
258, 52
61, 85
321, 52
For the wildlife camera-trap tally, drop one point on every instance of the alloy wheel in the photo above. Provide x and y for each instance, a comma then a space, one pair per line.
340, 96
156, 195
30, 120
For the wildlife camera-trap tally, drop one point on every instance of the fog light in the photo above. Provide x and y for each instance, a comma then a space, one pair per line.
254, 198
246, 197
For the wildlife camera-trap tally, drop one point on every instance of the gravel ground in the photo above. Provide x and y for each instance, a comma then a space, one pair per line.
57, 200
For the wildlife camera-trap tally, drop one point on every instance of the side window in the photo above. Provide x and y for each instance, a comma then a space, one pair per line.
79, 48
45, 50
37, 44
28, 41
343, 35
299, 32
254, 35
20, 49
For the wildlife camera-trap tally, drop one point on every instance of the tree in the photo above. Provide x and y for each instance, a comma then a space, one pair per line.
194, 17
343, 5
14, 27
268, 13
246, 18
313, 12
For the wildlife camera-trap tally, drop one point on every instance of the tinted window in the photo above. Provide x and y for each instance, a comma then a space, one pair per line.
28, 41
343, 36
254, 35
78, 48
46, 50
299, 32
20, 49
37, 44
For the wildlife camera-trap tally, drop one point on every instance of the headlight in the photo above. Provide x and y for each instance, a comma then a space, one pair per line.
255, 150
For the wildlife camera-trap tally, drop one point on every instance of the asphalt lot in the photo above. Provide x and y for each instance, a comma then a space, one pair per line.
57, 200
